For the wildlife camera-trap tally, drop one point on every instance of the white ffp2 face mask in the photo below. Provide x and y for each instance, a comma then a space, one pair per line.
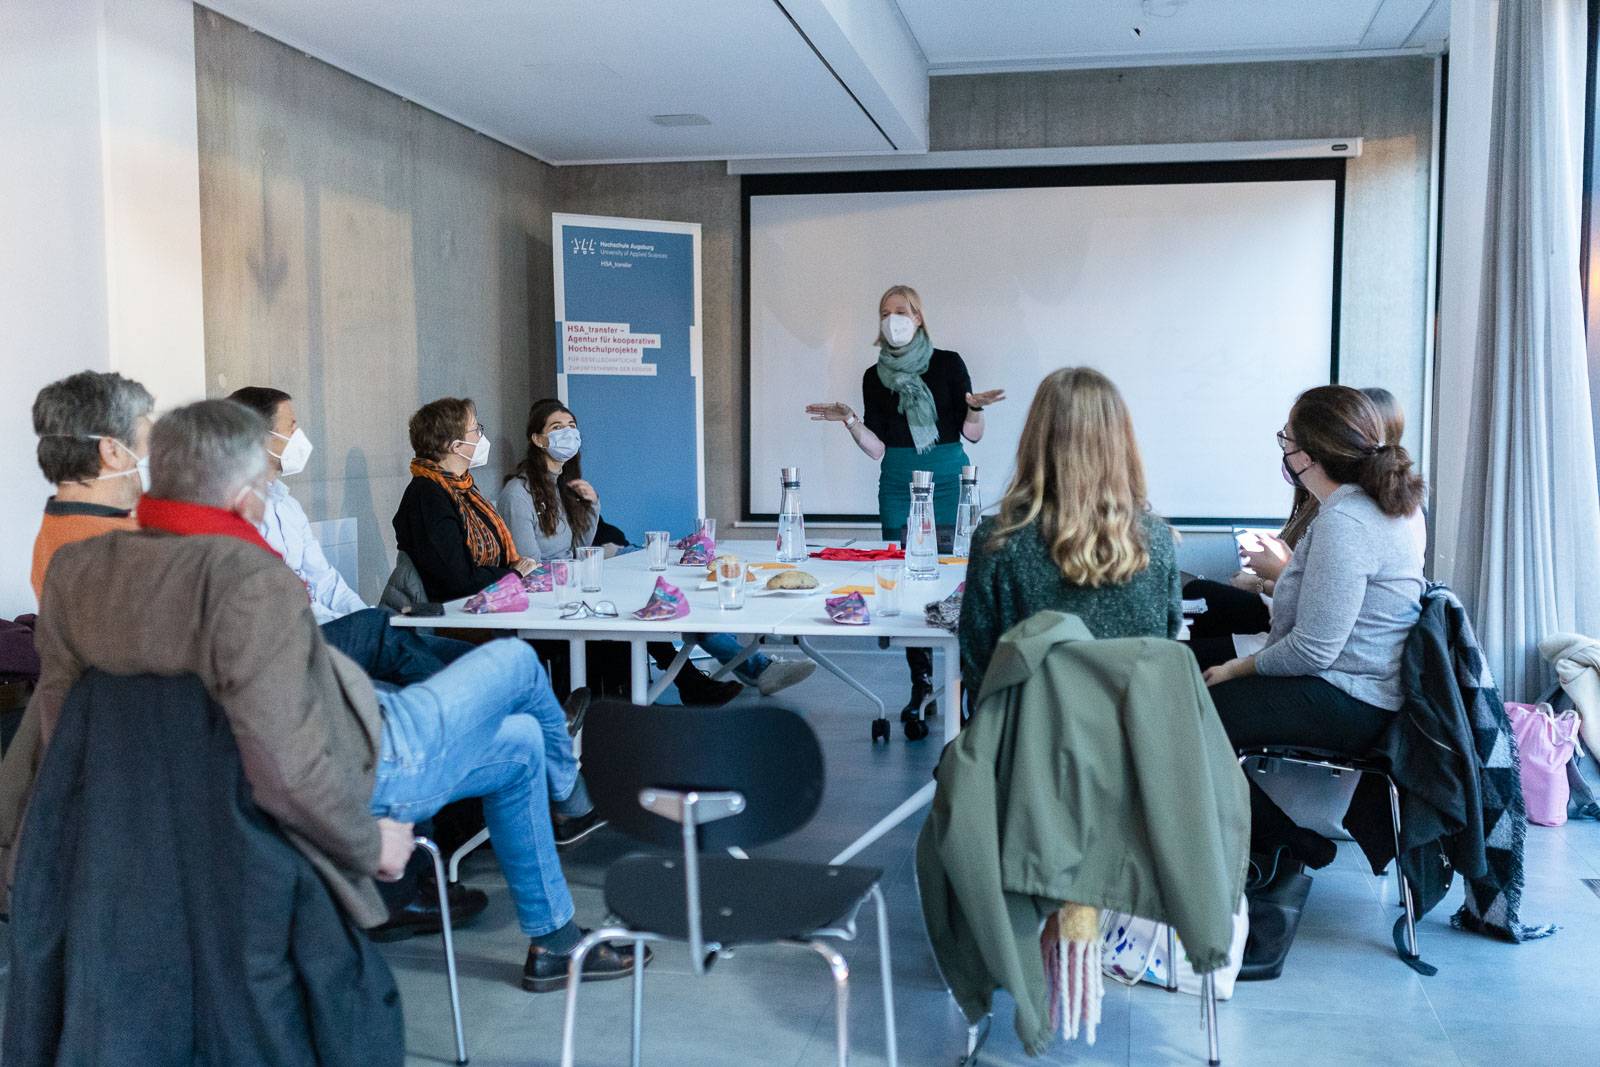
480, 452
296, 451
564, 443
898, 330
141, 467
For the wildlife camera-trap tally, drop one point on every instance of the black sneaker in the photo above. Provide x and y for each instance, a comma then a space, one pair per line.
571, 829
421, 916
577, 706
546, 971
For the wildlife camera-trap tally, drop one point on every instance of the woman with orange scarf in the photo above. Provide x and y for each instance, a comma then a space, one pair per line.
451, 533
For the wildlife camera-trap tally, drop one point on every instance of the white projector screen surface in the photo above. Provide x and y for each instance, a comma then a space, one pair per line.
1210, 305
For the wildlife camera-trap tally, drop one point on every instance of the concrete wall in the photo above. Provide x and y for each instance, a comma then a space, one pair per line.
367, 256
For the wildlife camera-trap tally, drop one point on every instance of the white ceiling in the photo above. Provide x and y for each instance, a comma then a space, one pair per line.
964, 36
575, 81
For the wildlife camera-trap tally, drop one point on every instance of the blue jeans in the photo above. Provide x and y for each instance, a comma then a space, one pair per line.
726, 646
390, 653
488, 726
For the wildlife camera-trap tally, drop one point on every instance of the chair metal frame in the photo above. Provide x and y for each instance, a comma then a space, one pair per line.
1357, 765
446, 929
692, 809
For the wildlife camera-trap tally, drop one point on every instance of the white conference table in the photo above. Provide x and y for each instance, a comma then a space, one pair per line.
767, 618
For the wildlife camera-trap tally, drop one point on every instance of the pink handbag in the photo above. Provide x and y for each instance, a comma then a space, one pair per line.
1545, 743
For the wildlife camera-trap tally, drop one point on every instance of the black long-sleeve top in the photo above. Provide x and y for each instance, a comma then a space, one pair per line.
428, 528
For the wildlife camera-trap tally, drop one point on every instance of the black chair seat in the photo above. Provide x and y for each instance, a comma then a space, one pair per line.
740, 900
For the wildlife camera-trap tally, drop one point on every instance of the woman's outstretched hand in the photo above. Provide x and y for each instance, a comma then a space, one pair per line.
829, 412
983, 400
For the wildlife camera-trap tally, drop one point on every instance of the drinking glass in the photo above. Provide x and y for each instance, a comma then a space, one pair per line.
889, 578
730, 583
564, 582
709, 528
591, 564
657, 543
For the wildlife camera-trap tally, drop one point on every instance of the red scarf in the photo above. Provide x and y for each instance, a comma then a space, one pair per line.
197, 520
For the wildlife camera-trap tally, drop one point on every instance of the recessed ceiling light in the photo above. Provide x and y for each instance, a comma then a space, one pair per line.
680, 120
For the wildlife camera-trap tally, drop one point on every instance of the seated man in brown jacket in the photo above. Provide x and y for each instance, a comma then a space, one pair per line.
345, 771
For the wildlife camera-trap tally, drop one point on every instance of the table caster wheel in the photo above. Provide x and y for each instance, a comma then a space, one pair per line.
916, 730
880, 731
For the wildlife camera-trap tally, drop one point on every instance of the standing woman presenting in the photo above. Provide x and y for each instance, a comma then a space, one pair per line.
917, 406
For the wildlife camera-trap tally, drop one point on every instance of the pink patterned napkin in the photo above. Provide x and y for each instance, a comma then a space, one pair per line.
700, 550
666, 602
849, 610
538, 580
506, 594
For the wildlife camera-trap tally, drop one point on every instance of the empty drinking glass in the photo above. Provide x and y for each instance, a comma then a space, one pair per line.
730, 583
564, 582
709, 528
591, 563
657, 543
889, 578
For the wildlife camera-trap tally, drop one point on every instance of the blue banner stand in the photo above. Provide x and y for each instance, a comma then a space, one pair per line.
628, 364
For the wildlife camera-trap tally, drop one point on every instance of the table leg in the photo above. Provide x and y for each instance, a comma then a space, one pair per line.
721, 673
913, 804
951, 654
667, 676
578, 662
640, 664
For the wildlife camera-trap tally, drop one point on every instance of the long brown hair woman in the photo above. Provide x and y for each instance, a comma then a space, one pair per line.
1074, 531
547, 504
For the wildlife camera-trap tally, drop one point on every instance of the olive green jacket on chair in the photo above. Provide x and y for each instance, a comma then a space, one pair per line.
1092, 771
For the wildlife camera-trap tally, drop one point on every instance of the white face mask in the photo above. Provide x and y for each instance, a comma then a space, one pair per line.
296, 452
564, 443
480, 452
898, 330
141, 467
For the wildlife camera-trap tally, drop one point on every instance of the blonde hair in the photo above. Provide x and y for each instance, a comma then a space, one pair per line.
911, 297
1080, 477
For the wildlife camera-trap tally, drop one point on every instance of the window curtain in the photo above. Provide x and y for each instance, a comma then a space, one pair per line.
1528, 550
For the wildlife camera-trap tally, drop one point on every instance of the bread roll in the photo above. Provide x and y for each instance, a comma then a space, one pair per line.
791, 580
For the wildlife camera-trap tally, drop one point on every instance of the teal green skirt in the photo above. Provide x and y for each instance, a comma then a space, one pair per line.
894, 485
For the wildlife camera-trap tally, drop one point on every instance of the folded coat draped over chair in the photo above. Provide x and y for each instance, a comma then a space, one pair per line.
1576, 659
160, 917
1095, 772
1453, 754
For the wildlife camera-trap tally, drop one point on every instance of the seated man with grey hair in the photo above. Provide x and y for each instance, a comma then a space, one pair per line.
344, 770
94, 432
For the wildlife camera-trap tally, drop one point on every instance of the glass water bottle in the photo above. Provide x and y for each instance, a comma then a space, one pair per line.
922, 535
968, 510
791, 523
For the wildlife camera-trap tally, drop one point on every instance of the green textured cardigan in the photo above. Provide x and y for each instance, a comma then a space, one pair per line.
1095, 772
1015, 579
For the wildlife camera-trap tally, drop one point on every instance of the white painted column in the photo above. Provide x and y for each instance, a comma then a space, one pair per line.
100, 208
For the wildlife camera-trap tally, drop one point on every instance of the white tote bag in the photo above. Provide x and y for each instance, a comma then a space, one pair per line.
1134, 950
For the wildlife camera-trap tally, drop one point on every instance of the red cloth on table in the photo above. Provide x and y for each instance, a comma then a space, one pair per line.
860, 555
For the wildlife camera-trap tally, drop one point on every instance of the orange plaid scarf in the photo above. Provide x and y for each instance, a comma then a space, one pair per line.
488, 541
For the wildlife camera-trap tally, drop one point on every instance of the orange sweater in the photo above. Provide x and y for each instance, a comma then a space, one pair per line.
65, 523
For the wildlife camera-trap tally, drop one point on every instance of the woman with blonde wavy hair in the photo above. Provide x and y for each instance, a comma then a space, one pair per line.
1074, 532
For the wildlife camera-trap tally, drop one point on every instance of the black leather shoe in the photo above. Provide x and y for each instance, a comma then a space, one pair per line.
697, 689
546, 971
572, 829
921, 699
577, 706
421, 916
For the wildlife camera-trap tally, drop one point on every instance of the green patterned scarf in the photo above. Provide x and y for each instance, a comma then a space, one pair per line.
901, 370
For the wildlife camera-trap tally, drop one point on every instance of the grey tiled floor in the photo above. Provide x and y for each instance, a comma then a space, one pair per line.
1343, 998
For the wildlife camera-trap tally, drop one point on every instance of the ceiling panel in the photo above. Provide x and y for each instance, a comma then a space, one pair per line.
578, 81
965, 35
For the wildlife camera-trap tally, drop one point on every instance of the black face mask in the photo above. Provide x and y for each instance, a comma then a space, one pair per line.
1289, 473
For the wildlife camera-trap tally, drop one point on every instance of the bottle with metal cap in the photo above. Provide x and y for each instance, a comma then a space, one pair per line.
922, 534
791, 522
969, 508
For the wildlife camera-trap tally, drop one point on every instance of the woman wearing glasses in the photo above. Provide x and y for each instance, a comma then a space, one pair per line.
551, 510
451, 533
1329, 676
